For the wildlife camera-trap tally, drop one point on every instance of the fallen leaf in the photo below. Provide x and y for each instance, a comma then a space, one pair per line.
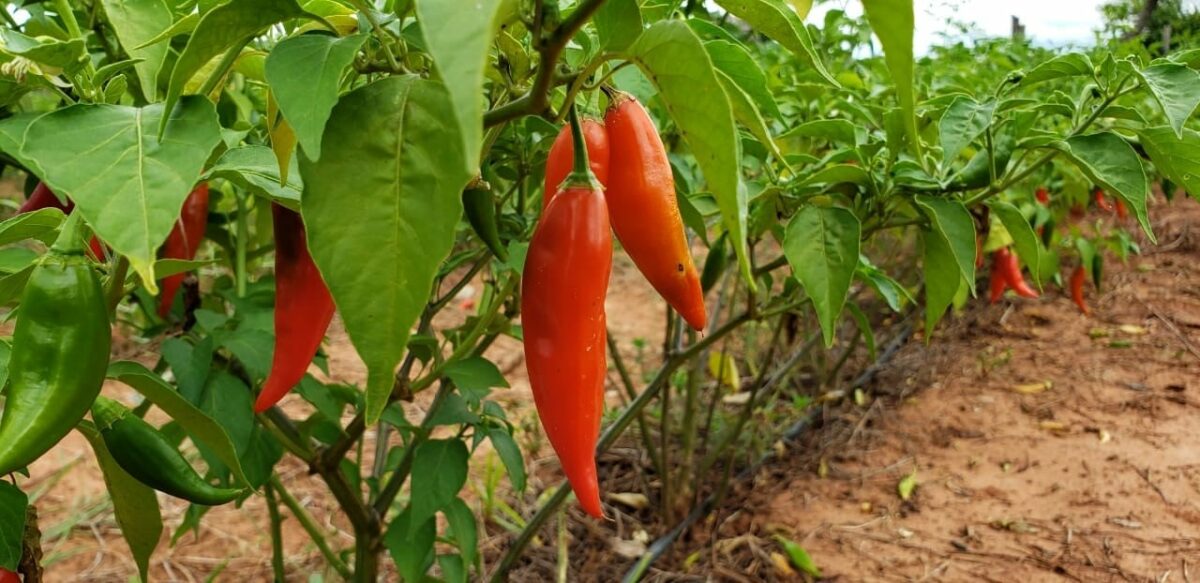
907, 485
1125, 522
780, 563
629, 549
799, 557
1132, 330
631, 499
1054, 426
736, 398
1033, 388
724, 368
904, 533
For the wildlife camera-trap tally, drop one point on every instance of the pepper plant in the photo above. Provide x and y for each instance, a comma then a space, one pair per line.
376, 157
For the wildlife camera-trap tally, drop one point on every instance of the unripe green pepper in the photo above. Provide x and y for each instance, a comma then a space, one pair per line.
481, 213
59, 352
144, 452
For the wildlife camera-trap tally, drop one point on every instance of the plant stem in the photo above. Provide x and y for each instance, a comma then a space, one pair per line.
243, 234
627, 381
396, 481
369, 13
116, 284
309, 525
223, 67
276, 533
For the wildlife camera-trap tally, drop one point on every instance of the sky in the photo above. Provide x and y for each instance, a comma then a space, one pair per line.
1048, 22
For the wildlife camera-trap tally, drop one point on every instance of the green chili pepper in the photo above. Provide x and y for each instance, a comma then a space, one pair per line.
147, 455
59, 351
481, 213
978, 173
715, 264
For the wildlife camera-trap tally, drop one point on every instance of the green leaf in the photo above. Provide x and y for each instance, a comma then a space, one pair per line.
735, 61
129, 185
305, 73
1178, 158
798, 556
411, 545
453, 568
439, 471
1028, 244
1108, 160
671, 55
220, 29
68, 55
135, 22
192, 419
964, 121
889, 289
1177, 89
380, 254
1069, 65
774, 19
134, 503
463, 528
475, 373
510, 456
256, 169
942, 277
13, 284
618, 23
12, 137
13, 503
748, 115
833, 130
803, 7
953, 222
41, 224
892, 22
864, 326
821, 245
907, 485
459, 41
838, 174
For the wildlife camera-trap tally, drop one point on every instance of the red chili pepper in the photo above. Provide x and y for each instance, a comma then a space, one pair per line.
7, 576
44, 198
563, 288
644, 211
998, 279
1102, 202
303, 308
1078, 277
1122, 211
183, 242
559, 160
1043, 196
1012, 270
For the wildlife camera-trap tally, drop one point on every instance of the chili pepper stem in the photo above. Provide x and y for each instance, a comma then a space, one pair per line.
581, 175
70, 236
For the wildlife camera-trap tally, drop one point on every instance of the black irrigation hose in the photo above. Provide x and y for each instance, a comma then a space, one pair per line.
660, 546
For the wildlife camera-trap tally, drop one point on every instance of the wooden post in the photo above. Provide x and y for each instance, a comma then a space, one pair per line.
1018, 30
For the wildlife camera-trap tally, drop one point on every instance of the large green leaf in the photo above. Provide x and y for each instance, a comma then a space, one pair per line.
193, 420
1177, 89
68, 55
381, 208
892, 22
1028, 244
304, 73
135, 22
774, 19
462, 526
1111, 162
256, 169
735, 61
942, 277
129, 185
747, 114
1068, 65
618, 24
220, 29
1178, 158
12, 136
41, 224
953, 223
459, 40
821, 245
135, 504
964, 121
671, 55
13, 503
439, 471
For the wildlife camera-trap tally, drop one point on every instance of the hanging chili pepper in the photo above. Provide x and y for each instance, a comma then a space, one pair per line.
643, 208
560, 158
183, 242
147, 455
480, 209
998, 278
59, 351
1078, 277
1122, 210
715, 264
7, 576
1012, 271
563, 288
1043, 196
43, 198
1102, 202
303, 308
